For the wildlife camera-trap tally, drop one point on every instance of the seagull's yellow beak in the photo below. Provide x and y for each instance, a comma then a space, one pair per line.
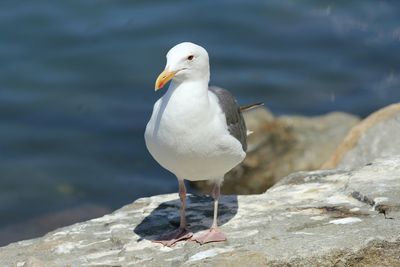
163, 78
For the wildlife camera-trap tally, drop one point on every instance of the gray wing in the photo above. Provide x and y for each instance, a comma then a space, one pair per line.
234, 117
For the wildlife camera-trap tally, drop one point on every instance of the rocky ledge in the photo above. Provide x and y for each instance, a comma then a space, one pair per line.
319, 218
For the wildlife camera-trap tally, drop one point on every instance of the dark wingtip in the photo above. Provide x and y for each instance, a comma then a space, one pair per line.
251, 106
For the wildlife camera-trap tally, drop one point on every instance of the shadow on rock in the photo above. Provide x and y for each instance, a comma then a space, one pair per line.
199, 215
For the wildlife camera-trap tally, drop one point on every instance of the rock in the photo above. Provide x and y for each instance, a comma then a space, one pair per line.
40, 225
319, 218
376, 136
282, 145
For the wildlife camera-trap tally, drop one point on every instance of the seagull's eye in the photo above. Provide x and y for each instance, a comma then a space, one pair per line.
190, 57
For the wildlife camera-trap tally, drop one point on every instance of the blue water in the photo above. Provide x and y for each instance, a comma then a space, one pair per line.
77, 77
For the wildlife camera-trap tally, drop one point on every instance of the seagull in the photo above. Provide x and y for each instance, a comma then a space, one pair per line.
196, 132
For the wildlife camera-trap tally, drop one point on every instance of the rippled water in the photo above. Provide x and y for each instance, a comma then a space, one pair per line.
76, 86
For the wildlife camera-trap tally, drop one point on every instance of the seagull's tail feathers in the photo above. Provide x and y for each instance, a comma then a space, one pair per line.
251, 106
249, 132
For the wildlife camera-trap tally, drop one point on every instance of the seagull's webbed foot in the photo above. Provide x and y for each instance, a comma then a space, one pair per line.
169, 239
211, 235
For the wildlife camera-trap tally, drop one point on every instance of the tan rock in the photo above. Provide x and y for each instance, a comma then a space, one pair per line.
376, 136
282, 145
313, 219
40, 225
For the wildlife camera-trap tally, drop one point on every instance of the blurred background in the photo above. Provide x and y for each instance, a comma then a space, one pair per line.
77, 78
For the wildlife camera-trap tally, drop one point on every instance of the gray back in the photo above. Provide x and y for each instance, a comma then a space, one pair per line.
233, 115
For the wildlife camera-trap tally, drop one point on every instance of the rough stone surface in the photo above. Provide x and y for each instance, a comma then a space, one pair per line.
320, 218
42, 224
282, 145
376, 136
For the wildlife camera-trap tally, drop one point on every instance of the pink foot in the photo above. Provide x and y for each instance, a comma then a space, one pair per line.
175, 236
211, 235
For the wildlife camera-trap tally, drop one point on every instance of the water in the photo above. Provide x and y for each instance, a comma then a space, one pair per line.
77, 77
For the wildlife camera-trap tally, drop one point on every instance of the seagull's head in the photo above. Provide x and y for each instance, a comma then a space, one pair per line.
185, 62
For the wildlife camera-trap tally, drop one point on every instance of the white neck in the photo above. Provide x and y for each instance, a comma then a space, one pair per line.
193, 89
188, 100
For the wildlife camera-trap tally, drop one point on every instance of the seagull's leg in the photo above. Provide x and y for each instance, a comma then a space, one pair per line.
182, 196
182, 233
214, 234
